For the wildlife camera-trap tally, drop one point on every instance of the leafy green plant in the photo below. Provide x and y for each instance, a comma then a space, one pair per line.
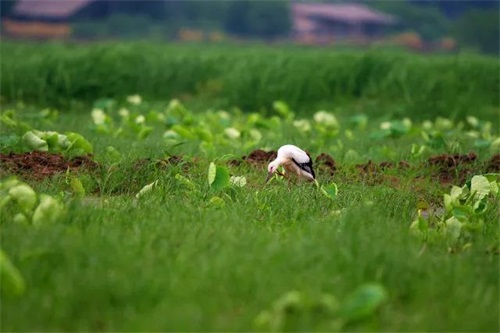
21, 204
51, 141
464, 210
12, 283
218, 177
322, 311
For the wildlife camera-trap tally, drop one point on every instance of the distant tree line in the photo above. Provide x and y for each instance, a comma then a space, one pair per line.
474, 23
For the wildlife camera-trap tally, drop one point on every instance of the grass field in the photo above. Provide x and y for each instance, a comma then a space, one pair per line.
253, 77
205, 252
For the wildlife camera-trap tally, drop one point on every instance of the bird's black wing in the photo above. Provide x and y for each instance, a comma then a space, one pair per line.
307, 167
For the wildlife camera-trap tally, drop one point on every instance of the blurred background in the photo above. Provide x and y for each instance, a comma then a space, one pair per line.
420, 25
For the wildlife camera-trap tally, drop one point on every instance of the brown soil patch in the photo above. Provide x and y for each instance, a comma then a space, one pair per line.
326, 163
257, 157
260, 156
39, 165
493, 164
453, 167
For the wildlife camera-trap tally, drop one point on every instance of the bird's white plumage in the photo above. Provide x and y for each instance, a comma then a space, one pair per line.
295, 161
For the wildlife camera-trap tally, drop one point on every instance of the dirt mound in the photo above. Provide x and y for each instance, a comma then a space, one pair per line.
452, 161
260, 156
39, 164
452, 168
257, 157
493, 165
326, 163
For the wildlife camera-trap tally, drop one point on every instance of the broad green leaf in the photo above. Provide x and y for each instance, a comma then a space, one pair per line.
221, 178
456, 194
448, 204
113, 154
292, 300
144, 132
98, 116
480, 186
398, 128
282, 108
443, 123
325, 118
329, 190
52, 139
79, 142
360, 121
255, 134
217, 202
352, 156
77, 186
183, 132
238, 181
146, 189
4, 200
420, 224
34, 142
493, 178
104, 103
453, 227
25, 197
232, 133
63, 142
363, 302
204, 134
495, 146
11, 280
20, 218
461, 213
212, 170
49, 210
480, 205
473, 121
302, 125
482, 144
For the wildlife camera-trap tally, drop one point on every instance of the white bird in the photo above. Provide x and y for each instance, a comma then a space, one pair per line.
295, 161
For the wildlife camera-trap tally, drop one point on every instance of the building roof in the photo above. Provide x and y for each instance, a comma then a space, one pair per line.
304, 14
53, 9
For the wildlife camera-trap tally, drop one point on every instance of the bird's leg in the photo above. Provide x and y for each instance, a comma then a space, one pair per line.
292, 181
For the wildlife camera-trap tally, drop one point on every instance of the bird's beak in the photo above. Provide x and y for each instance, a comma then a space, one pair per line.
269, 176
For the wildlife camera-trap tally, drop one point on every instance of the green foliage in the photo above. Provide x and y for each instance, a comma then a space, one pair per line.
21, 204
265, 19
218, 177
479, 29
322, 311
56, 74
466, 212
428, 21
12, 282
330, 190
363, 302
71, 143
219, 251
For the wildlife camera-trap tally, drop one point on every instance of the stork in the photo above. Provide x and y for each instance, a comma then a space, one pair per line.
295, 161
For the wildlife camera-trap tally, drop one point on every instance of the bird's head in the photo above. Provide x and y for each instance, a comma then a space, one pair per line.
271, 168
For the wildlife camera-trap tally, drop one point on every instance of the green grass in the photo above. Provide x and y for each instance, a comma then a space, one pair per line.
170, 265
176, 260
171, 261
252, 77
